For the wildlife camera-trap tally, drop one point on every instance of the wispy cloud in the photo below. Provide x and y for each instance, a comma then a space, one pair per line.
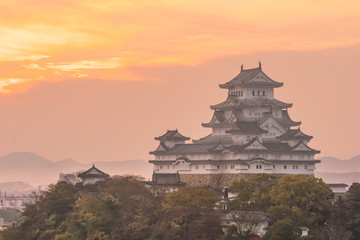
25, 58
6, 82
86, 64
76, 39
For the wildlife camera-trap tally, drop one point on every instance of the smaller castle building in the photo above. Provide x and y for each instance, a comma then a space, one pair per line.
92, 176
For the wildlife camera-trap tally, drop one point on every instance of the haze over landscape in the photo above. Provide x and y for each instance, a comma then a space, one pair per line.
96, 82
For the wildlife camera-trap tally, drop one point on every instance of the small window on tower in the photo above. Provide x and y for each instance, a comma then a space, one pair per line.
284, 166
263, 93
218, 166
253, 93
258, 93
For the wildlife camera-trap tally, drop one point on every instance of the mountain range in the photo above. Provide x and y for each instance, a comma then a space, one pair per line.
18, 168
35, 170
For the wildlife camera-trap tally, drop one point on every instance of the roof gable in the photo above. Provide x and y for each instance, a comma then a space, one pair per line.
217, 147
255, 145
301, 146
270, 122
251, 77
93, 172
172, 135
247, 127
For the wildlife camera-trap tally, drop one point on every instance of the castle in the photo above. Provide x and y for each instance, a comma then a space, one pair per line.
252, 133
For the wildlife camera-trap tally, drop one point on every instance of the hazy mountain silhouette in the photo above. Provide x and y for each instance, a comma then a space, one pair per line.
36, 170
332, 164
16, 187
347, 178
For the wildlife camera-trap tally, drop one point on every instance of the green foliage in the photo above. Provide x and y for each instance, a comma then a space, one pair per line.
118, 208
253, 194
301, 199
189, 214
124, 208
283, 230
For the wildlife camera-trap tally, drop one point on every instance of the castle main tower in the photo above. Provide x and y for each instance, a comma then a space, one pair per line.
251, 132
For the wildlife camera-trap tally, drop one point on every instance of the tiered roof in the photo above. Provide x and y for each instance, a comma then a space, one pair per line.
247, 128
93, 172
294, 134
271, 147
249, 78
172, 135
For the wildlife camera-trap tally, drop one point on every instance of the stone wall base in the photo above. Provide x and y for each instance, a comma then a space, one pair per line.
216, 181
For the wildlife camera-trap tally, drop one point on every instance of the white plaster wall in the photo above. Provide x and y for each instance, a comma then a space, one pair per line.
269, 92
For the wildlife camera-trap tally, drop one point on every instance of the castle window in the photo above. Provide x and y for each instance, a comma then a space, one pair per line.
295, 167
253, 93
306, 167
218, 166
203, 166
225, 166
263, 93
168, 166
161, 167
197, 167
258, 93
285, 167
273, 166
232, 166
248, 166
258, 166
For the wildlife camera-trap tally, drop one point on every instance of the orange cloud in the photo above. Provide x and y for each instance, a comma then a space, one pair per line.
49, 38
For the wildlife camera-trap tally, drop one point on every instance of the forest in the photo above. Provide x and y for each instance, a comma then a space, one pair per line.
124, 207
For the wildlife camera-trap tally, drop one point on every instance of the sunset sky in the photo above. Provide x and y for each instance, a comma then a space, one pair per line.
98, 80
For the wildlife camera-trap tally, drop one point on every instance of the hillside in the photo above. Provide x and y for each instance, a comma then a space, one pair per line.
33, 169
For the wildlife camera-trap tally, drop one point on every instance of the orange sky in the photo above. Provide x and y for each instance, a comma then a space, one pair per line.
97, 81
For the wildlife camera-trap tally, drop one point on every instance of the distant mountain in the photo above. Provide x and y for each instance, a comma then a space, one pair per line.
347, 178
332, 164
16, 187
36, 170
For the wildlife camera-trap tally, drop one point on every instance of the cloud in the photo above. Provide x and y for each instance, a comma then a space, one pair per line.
86, 64
6, 82
76, 39
25, 58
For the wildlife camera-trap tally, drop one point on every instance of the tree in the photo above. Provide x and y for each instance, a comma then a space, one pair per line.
189, 214
302, 200
253, 194
283, 230
119, 208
